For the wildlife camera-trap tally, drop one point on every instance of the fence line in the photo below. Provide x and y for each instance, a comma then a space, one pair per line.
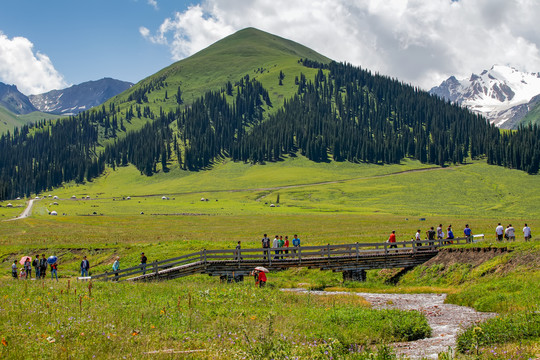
283, 257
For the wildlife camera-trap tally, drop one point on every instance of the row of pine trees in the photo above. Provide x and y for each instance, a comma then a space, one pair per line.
344, 114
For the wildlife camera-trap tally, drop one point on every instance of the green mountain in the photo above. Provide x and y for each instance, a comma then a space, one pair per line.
260, 55
256, 98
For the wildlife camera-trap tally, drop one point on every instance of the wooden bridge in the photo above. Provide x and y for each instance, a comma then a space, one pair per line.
233, 264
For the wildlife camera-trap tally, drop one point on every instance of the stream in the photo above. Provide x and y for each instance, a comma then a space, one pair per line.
445, 320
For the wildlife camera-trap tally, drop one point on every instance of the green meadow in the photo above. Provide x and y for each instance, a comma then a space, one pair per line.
322, 203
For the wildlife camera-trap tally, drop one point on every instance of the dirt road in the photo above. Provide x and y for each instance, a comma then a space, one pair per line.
26, 213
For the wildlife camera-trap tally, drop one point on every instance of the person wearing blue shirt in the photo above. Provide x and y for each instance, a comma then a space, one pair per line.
468, 233
295, 243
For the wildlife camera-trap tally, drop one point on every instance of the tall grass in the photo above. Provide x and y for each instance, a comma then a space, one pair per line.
115, 320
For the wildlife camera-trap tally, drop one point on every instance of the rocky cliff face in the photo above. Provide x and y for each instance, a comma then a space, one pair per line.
15, 101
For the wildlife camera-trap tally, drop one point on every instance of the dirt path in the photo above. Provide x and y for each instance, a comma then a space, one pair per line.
296, 185
26, 211
445, 320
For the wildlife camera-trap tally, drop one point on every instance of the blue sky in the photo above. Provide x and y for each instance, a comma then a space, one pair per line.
89, 40
50, 44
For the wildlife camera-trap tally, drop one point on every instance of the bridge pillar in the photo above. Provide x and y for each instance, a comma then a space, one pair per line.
231, 277
354, 275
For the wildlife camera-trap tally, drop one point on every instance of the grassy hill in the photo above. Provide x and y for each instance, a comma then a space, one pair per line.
251, 52
9, 120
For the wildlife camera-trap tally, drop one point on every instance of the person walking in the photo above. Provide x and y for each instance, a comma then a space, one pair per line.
499, 232
144, 260
85, 266
468, 233
116, 267
266, 245
275, 245
418, 236
527, 233
54, 271
392, 239
28, 268
43, 266
14, 270
37, 266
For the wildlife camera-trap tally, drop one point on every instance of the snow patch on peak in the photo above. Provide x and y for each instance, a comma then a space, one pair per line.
493, 93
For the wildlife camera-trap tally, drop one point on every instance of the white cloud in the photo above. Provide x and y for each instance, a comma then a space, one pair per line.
153, 3
418, 41
33, 73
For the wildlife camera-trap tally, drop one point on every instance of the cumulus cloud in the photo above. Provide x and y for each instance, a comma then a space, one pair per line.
32, 72
417, 41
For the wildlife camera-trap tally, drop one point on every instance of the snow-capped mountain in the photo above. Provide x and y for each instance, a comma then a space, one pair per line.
80, 97
502, 94
15, 101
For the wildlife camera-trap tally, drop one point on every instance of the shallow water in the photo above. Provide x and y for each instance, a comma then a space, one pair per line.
446, 320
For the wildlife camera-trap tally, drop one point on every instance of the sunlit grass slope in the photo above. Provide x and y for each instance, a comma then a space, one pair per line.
251, 52
9, 120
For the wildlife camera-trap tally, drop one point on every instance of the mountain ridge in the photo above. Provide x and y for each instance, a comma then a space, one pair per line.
502, 94
80, 97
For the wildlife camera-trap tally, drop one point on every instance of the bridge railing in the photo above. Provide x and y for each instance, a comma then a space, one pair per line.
275, 256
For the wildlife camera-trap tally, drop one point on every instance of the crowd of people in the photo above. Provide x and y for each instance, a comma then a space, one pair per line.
38, 264
280, 245
509, 233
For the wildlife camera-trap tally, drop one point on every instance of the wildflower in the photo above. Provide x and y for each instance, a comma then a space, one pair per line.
82, 334
4, 342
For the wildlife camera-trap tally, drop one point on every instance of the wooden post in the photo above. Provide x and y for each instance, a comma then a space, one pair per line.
357, 252
155, 268
299, 255
385, 248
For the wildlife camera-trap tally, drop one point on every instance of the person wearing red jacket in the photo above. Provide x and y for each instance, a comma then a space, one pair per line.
392, 239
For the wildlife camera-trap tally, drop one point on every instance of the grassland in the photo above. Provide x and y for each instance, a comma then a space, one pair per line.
323, 203
9, 120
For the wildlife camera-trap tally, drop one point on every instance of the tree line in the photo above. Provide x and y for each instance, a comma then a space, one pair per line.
344, 113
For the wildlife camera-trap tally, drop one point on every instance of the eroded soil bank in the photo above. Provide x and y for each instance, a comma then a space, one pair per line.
445, 320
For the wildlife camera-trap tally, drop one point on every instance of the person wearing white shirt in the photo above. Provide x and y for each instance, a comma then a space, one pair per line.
527, 233
499, 230
511, 232
418, 236
275, 245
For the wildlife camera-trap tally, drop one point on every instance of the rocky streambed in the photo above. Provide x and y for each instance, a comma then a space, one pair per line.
445, 320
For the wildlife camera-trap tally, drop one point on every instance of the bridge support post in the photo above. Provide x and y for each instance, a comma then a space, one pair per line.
354, 275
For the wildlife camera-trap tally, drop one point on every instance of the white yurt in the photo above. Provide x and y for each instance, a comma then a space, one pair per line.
9, 205
54, 213
55, 197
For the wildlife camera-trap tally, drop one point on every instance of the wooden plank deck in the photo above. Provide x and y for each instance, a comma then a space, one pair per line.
344, 257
